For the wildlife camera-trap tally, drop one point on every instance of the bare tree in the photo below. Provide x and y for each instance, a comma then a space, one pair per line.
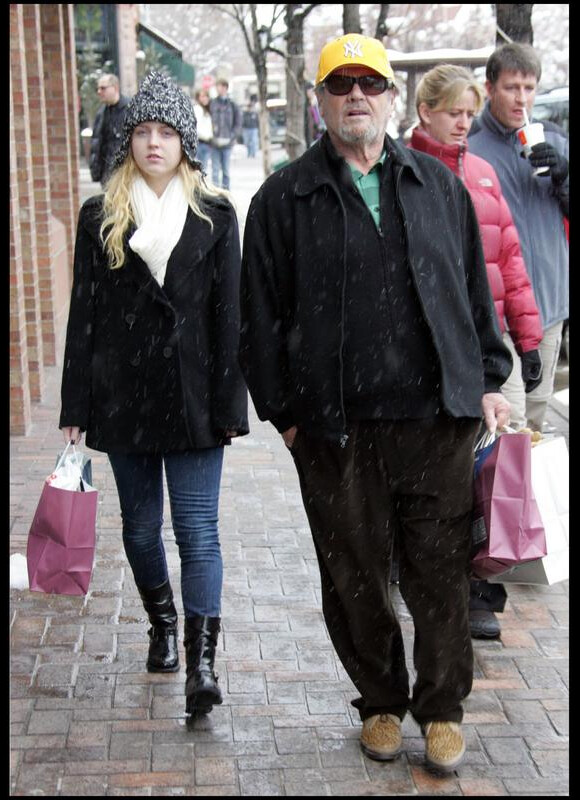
258, 43
514, 23
382, 30
210, 38
295, 94
351, 18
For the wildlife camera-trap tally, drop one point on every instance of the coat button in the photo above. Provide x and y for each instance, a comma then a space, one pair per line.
168, 352
130, 320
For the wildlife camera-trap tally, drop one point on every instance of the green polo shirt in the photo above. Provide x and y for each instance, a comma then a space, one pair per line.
369, 187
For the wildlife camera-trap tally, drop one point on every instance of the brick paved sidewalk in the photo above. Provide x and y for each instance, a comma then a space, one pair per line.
87, 719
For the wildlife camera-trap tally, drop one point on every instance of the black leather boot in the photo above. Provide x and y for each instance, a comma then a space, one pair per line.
158, 603
483, 624
201, 689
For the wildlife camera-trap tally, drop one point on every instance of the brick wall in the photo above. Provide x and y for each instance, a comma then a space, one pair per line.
26, 206
44, 195
127, 19
55, 54
41, 179
45, 187
19, 386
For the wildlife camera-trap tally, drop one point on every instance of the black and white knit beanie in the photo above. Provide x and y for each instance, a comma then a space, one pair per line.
160, 100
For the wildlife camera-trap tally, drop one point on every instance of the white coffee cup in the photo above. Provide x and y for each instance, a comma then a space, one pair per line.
528, 136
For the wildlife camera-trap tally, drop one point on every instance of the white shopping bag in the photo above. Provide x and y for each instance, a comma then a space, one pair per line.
68, 473
18, 571
550, 472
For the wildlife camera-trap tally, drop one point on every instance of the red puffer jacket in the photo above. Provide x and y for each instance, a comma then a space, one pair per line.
508, 279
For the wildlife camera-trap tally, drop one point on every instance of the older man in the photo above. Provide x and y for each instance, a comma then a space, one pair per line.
108, 127
369, 340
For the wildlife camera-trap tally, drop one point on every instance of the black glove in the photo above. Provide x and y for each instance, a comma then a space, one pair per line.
544, 155
531, 369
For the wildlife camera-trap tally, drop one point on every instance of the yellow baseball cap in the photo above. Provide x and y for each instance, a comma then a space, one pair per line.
354, 49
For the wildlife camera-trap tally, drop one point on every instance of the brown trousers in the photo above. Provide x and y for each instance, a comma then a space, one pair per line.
412, 478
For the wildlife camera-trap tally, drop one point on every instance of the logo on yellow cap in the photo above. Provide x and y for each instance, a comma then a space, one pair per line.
354, 49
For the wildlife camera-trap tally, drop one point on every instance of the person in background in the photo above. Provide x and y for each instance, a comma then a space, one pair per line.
370, 341
227, 126
204, 127
250, 127
537, 203
150, 366
447, 99
107, 128
314, 125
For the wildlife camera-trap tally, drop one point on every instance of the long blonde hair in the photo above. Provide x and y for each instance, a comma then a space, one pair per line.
118, 214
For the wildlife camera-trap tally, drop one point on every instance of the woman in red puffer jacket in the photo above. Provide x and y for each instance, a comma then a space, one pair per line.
448, 98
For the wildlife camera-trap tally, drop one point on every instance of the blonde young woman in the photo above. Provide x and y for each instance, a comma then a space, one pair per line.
447, 100
150, 367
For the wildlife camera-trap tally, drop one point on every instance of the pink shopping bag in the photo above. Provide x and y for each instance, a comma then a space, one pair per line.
61, 540
505, 508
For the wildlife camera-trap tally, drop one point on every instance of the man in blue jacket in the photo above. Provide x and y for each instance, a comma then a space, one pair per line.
538, 203
226, 119
370, 341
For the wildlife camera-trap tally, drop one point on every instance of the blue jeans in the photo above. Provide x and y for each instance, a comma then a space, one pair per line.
220, 160
193, 482
251, 140
204, 154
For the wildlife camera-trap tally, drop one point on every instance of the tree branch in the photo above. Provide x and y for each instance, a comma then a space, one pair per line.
503, 34
306, 11
381, 30
277, 14
239, 14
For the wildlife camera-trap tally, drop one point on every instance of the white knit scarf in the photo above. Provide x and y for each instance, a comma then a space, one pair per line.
160, 222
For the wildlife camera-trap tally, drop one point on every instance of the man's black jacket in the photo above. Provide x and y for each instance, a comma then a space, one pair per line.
295, 274
106, 138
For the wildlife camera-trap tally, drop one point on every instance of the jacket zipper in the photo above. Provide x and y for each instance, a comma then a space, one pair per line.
460, 166
419, 298
344, 435
382, 247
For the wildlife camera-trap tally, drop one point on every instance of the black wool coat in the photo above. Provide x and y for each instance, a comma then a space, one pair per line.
150, 369
295, 274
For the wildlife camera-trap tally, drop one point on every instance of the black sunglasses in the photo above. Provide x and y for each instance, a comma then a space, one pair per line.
369, 84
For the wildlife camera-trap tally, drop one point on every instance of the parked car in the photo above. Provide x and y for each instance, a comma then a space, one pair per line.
553, 106
277, 117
